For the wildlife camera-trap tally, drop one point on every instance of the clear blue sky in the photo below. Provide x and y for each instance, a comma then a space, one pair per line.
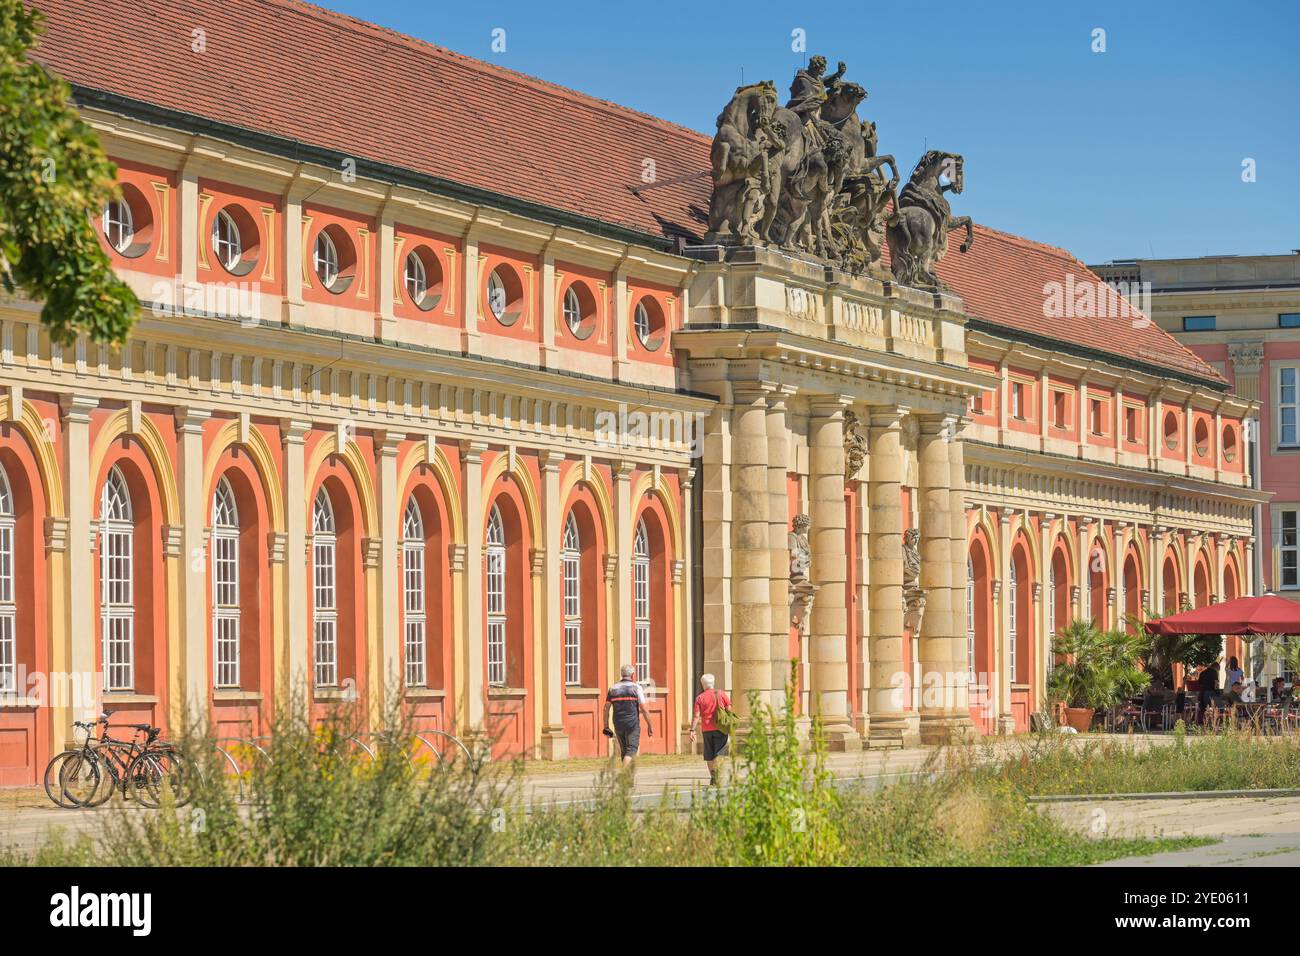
1134, 152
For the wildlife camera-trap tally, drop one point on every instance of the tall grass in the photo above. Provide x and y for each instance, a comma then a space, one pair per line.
1234, 760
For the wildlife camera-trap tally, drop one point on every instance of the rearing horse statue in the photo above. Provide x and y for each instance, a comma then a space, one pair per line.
743, 157
918, 230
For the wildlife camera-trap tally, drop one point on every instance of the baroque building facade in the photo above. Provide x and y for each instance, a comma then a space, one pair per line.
395, 421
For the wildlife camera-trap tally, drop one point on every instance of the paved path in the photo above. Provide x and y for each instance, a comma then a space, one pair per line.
1254, 831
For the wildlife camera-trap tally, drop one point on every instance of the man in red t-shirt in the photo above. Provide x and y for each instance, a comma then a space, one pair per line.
706, 710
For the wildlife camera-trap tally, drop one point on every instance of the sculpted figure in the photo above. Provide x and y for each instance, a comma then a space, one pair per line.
918, 232
800, 552
744, 154
913, 593
855, 445
808, 93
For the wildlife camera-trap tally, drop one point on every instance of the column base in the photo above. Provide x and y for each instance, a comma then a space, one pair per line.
1006, 725
941, 729
555, 744
886, 731
841, 738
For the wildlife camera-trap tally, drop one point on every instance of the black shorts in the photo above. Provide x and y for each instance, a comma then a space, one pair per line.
629, 738
715, 744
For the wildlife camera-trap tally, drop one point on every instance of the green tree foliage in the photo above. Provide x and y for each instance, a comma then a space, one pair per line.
1097, 668
1160, 652
54, 177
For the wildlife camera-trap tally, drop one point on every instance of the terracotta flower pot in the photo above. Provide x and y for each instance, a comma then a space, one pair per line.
1080, 718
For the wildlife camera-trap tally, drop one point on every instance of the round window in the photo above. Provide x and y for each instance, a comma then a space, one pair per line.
498, 298
1229, 443
648, 324
1171, 431
227, 243
572, 310
417, 279
119, 224
325, 260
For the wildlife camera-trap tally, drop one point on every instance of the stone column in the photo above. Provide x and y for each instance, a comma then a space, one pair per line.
751, 563
935, 546
393, 677
293, 434
778, 541
715, 547
888, 679
624, 535
1156, 545
555, 742
1117, 578
828, 647
474, 679
958, 556
81, 554
194, 514
1006, 720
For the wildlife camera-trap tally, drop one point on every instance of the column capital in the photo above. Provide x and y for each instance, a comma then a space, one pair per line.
387, 443
189, 420
549, 459
887, 416
171, 540
622, 468
828, 406
1005, 514
372, 550
934, 425
293, 431
538, 558
471, 450
77, 408
56, 534
277, 546
611, 567
456, 555
1158, 531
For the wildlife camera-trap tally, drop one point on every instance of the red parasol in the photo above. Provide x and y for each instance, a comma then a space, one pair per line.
1248, 616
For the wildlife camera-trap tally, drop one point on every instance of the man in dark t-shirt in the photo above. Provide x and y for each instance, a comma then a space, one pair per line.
627, 700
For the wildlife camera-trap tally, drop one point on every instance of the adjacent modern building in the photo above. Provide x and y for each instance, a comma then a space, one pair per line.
1241, 314
433, 395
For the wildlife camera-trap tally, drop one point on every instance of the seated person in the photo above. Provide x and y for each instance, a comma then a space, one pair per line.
1233, 697
1277, 691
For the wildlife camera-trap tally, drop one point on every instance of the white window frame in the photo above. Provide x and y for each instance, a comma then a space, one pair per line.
117, 583
8, 596
1017, 400
415, 277
325, 259
120, 221
325, 612
571, 562
414, 595
223, 551
1288, 547
641, 323
572, 310
227, 243
641, 602
1285, 407
494, 596
497, 296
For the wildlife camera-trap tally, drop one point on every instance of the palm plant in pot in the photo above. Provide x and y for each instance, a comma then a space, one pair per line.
1097, 669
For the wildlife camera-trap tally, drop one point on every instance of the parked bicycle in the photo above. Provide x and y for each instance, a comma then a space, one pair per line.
142, 767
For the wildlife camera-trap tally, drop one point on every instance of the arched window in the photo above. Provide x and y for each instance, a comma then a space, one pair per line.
641, 601
572, 560
8, 605
414, 594
970, 621
1013, 633
496, 600
116, 579
225, 586
325, 611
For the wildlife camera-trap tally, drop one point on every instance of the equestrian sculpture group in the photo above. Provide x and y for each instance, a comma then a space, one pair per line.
807, 177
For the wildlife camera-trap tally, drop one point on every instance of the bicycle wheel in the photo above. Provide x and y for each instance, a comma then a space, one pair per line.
53, 784
80, 779
154, 773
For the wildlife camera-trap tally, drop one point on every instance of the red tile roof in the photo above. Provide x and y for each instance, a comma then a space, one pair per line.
288, 69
